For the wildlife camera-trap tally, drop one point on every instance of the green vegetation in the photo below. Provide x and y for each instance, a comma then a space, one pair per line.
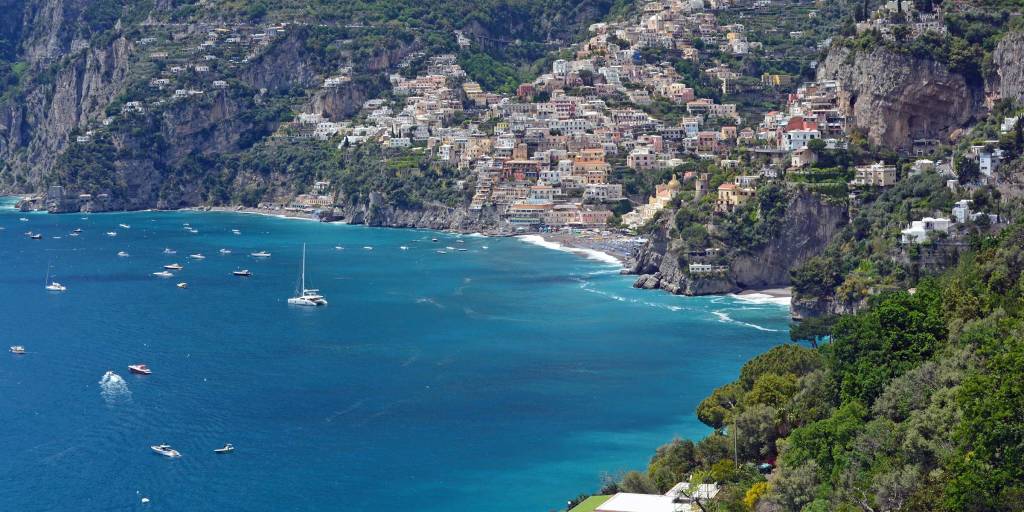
914, 404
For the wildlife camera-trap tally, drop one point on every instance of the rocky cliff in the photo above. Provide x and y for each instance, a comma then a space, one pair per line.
806, 228
1008, 60
378, 212
896, 98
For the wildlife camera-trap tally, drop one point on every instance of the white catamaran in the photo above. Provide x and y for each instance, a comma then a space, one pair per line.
307, 296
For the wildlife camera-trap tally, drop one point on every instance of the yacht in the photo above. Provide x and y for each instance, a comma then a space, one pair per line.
165, 450
173, 266
163, 273
225, 251
307, 296
125, 226
111, 233
170, 251
18, 350
122, 254
228, 448
261, 254
242, 273
197, 256
139, 369
53, 286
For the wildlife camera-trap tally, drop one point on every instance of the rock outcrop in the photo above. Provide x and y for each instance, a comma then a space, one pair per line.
379, 213
806, 228
1008, 58
896, 98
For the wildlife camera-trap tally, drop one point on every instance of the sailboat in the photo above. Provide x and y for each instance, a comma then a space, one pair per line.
53, 286
307, 296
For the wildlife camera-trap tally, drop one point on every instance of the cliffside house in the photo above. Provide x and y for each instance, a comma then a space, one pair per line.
874, 175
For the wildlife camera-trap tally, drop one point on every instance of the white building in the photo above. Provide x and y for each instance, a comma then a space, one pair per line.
919, 230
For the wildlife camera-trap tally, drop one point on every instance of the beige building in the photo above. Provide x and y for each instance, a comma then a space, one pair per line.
662, 197
875, 175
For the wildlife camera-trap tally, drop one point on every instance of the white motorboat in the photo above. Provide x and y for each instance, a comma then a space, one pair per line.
170, 251
235, 231
197, 256
228, 448
368, 247
23, 219
225, 251
122, 254
306, 296
404, 248
173, 266
18, 350
261, 254
74, 234
165, 450
242, 273
125, 226
111, 233
163, 273
76, 230
182, 285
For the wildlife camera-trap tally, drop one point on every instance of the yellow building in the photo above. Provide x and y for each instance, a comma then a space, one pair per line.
664, 194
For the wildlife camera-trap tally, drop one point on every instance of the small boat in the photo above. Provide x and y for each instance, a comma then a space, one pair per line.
23, 219
170, 251
368, 247
76, 230
261, 254
442, 252
55, 237
450, 248
228, 448
163, 273
433, 239
182, 285
35, 236
338, 248
242, 273
484, 247
235, 231
165, 450
74, 234
18, 350
139, 369
122, 254
111, 233
460, 249
125, 226
197, 256
173, 266
404, 248
53, 286
225, 251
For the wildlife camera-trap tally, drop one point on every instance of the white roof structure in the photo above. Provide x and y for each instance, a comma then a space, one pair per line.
629, 502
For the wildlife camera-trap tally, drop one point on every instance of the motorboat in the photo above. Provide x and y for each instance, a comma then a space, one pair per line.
261, 254
173, 266
225, 251
450, 248
338, 248
235, 231
139, 369
165, 450
484, 247
163, 273
193, 230
23, 219
306, 296
433, 239
122, 254
182, 285
461, 249
125, 226
439, 251
111, 233
404, 248
242, 273
76, 230
35, 236
170, 251
368, 247
197, 256
228, 448
74, 234
18, 350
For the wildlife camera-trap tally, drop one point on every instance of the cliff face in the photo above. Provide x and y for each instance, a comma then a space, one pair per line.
1008, 58
34, 129
807, 227
895, 98
378, 212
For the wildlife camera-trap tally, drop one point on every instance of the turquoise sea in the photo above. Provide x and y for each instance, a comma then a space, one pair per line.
505, 378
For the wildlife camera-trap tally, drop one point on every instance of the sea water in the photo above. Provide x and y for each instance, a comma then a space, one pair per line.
506, 377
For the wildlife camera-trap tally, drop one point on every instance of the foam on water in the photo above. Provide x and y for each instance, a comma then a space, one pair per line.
590, 254
114, 389
761, 298
725, 318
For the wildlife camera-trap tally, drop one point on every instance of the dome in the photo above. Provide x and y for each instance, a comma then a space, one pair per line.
674, 183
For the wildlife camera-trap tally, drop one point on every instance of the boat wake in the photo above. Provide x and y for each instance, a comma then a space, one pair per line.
114, 389
761, 298
726, 319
